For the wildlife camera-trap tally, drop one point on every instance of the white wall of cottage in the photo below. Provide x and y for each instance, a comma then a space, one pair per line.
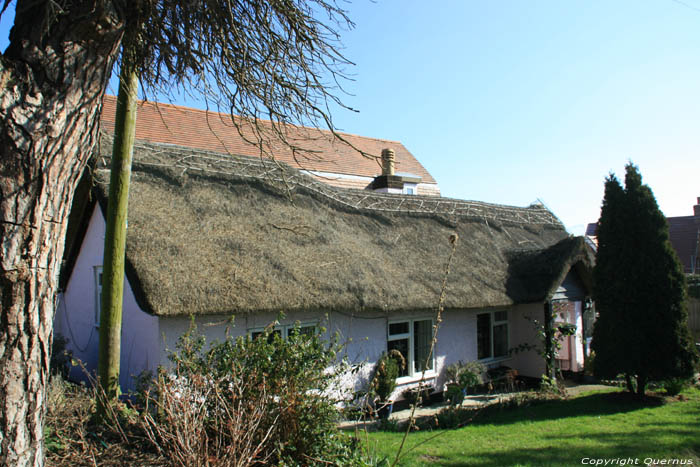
75, 315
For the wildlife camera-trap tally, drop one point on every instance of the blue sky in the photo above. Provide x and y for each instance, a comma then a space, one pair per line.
513, 101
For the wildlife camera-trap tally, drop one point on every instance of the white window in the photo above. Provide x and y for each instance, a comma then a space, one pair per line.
412, 338
285, 331
410, 188
492, 335
98, 293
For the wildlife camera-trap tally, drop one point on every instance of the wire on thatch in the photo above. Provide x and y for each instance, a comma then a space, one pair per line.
214, 234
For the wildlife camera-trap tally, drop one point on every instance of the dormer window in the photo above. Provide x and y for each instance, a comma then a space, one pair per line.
410, 188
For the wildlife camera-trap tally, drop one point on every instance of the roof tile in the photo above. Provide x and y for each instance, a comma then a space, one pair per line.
213, 131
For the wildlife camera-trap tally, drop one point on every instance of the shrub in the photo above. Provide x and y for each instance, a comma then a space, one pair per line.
268, 400
386, 371
471, 375
60, 356
674, 386
454, 394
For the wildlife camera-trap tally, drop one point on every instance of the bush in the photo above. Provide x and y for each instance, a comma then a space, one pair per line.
386, 371
60, 356
674, 386
268, 400
471, 375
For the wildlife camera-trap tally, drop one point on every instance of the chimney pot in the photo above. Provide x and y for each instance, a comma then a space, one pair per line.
696, 208
388, 161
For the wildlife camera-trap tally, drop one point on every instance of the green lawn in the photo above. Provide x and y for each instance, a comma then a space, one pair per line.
602, 425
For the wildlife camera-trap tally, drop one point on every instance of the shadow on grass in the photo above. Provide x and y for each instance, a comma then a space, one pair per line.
556, 456
540, 410
672, 433
638, 445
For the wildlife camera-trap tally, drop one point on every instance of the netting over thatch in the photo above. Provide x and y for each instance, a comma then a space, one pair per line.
213, 234
190, 161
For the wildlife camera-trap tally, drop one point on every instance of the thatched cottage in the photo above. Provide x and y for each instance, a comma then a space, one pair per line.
214, 236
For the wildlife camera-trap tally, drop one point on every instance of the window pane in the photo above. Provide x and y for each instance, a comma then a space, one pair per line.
500, 316
270, 337
302, 330
500, 340
483, 335
422, 336
398, 328
402, 346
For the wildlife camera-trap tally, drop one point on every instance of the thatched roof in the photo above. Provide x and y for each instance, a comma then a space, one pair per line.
534, 275
212, 234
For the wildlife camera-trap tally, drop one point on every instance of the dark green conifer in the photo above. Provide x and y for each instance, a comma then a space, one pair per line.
639, 290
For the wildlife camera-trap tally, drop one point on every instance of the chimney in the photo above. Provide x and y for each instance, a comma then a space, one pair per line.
388, 162
696, 208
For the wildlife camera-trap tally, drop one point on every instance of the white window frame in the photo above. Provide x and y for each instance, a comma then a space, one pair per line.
97, 272
410, 358
283, 329
492, 324
412, 186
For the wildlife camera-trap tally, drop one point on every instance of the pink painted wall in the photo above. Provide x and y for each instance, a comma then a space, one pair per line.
75, 315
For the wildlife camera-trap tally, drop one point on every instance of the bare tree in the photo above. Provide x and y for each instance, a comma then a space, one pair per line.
275, 59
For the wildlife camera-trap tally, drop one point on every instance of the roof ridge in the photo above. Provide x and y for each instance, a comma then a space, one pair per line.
275, 171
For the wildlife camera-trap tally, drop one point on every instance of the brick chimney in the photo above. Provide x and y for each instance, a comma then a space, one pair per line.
696, 208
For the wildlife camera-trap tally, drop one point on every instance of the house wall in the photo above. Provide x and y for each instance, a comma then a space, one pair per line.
529, 362
365, 336
359, 182
523, 332
75, 315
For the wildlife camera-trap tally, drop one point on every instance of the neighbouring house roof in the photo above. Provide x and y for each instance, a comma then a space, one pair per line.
684, 234
592, 229
213, 234
213, 131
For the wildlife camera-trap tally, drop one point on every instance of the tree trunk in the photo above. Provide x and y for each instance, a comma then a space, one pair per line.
115, 235
52, 90
641, 385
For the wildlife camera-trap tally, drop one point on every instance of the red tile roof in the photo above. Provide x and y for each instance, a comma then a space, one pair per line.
684, 232
213, 131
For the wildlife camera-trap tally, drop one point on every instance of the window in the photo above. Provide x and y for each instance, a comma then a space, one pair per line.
410, 188
412, 338
98, 293
305, 329
492, 335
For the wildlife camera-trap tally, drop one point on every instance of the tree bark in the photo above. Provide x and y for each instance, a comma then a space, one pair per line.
115, 235
52, 88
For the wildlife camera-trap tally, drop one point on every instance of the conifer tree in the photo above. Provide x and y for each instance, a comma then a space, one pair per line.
639, 290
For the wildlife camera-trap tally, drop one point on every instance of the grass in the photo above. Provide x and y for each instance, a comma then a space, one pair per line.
600, 425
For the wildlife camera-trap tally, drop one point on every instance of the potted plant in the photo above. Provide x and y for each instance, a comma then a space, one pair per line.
386, 371
453, 390
471, 375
